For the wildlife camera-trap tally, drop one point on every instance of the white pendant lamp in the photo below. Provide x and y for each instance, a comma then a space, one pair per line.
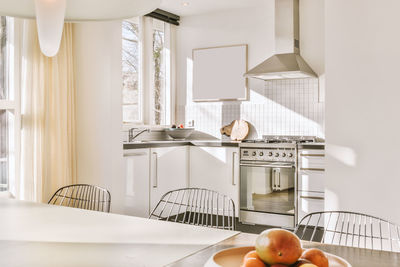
50, 21
51, 14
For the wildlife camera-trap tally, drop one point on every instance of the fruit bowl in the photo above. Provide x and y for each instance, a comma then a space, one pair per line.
233, 257
179, 133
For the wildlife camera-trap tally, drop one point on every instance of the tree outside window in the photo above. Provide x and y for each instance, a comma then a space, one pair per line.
159, 76
130, 72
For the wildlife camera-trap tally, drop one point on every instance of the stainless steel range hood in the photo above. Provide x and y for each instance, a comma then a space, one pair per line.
288, 65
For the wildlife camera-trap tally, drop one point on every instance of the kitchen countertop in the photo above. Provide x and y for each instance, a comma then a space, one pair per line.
33, 234
209, 143
169, 143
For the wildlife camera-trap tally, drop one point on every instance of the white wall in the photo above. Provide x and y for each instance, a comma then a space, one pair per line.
252, 26
99, 95
362, 106
292, 115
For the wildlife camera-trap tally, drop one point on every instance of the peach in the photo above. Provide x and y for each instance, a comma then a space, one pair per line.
275, 246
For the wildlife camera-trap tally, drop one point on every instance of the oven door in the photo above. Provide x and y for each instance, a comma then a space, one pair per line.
267, 187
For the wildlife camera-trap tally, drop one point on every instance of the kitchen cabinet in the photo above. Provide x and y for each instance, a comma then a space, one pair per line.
310, 202
137, 171
168, 171
310, 182
216, 168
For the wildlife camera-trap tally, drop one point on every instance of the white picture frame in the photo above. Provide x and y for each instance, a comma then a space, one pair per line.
218, 73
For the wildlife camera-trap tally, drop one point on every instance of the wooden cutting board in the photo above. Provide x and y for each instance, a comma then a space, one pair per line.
240, 130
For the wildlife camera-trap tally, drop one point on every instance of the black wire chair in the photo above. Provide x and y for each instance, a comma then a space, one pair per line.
351, 229
82, 196
196, 206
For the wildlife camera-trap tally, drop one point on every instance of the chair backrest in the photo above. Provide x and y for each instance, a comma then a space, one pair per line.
197, 206
351, 229
82, 196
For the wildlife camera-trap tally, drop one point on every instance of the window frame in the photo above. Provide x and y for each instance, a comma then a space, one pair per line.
13, 103
146, 75
138, 21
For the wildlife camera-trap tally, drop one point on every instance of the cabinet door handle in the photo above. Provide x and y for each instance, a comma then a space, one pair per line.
135, 154
155, 170
312, 169
312, 155
307, 197
233, 167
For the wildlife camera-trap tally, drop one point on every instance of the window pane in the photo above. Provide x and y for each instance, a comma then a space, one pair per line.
3, 150
131, 71
130, 112
3, 58
159, 72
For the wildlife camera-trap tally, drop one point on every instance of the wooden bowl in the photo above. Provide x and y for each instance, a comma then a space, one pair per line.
233, 257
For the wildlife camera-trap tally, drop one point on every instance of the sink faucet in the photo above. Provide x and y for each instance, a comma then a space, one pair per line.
132, 137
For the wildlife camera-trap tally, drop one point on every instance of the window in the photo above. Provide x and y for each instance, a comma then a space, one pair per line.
7, 108
159, 73
146, 70
131, 93
3, 151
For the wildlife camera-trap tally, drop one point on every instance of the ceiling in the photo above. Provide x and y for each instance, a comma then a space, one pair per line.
196, 7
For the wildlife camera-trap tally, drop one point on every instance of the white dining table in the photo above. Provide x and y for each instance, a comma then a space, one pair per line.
33, 234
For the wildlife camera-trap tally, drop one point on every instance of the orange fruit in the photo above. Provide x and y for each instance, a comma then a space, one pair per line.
316, 257
251, 254
253, 262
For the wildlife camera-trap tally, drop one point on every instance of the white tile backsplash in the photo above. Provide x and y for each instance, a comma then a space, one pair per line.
290, 107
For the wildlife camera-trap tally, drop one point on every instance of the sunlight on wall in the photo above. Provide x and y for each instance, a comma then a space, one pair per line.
282, 107
345, 155
331, 200
275, 119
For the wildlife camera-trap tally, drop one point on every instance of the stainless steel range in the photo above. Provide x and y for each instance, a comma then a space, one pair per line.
268, 180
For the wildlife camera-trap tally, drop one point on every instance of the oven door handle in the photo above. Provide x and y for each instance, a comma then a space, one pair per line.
267, 165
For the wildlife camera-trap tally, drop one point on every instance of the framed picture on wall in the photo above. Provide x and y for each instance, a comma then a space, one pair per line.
218, 73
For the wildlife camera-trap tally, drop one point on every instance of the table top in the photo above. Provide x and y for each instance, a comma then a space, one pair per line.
34, 234
355, 256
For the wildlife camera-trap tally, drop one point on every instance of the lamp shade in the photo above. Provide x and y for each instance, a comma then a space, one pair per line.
50, 23
51, 14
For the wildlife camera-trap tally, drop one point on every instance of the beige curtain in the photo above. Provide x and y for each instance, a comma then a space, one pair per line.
48, 155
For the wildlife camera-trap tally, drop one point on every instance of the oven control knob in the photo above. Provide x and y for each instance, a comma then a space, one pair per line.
276, 154
254, 153
290, 155
283, 154
261, 154
270, 154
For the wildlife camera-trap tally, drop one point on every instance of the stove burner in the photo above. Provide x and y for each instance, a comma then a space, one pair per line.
284, 139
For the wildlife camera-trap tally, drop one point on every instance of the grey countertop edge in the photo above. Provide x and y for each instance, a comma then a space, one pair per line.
208, 143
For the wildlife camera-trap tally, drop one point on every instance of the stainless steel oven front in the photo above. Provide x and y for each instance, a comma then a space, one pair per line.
268, 185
